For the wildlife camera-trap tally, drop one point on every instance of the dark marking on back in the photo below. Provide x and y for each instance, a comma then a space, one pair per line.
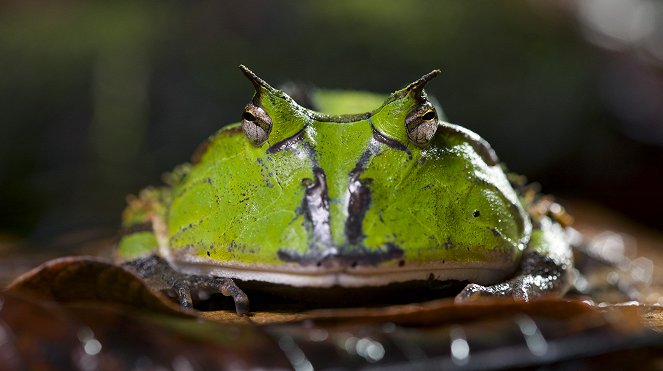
264, 170
392, 143
316, 211
184, 229
360, 196
360, 199
286, 143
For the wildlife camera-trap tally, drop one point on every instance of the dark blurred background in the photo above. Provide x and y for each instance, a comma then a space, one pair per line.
98, 99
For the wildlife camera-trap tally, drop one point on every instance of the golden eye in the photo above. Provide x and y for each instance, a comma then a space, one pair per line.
421, 124
256, 124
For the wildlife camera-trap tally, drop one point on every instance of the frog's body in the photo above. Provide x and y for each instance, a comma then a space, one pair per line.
295, 197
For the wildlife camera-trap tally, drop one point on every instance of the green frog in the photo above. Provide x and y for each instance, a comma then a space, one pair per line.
324, 199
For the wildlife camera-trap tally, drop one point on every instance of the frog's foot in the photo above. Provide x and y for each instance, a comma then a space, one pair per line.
540, 276
160, 276
225, 286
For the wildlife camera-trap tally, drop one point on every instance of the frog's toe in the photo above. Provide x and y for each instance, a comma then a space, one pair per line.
524, 289
225, 286
470, 292
183, 294
474, 291
228, 288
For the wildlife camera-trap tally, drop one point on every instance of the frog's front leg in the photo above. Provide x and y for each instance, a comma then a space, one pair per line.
545, 269
159, 275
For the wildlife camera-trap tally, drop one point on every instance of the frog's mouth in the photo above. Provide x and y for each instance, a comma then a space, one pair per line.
343, 275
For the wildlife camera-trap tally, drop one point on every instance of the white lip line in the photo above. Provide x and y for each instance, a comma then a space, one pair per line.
352, 277
314, 270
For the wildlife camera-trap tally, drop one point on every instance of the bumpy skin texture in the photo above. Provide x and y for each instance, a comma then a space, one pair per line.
310, 199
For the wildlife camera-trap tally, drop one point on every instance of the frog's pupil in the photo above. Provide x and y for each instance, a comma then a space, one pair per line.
429, 116
248, 116
476, 213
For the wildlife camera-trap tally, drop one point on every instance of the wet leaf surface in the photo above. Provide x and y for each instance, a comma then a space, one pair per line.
90, 279
85, 313
51, 336
40, 334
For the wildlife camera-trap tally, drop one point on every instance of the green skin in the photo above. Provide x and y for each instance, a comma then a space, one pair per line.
296, 197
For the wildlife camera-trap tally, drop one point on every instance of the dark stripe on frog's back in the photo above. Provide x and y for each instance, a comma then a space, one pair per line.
290, 143
388, 141
360, 194
339, 147
351, 251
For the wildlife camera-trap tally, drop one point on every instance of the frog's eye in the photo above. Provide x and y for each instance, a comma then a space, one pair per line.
256, 124
421, 124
